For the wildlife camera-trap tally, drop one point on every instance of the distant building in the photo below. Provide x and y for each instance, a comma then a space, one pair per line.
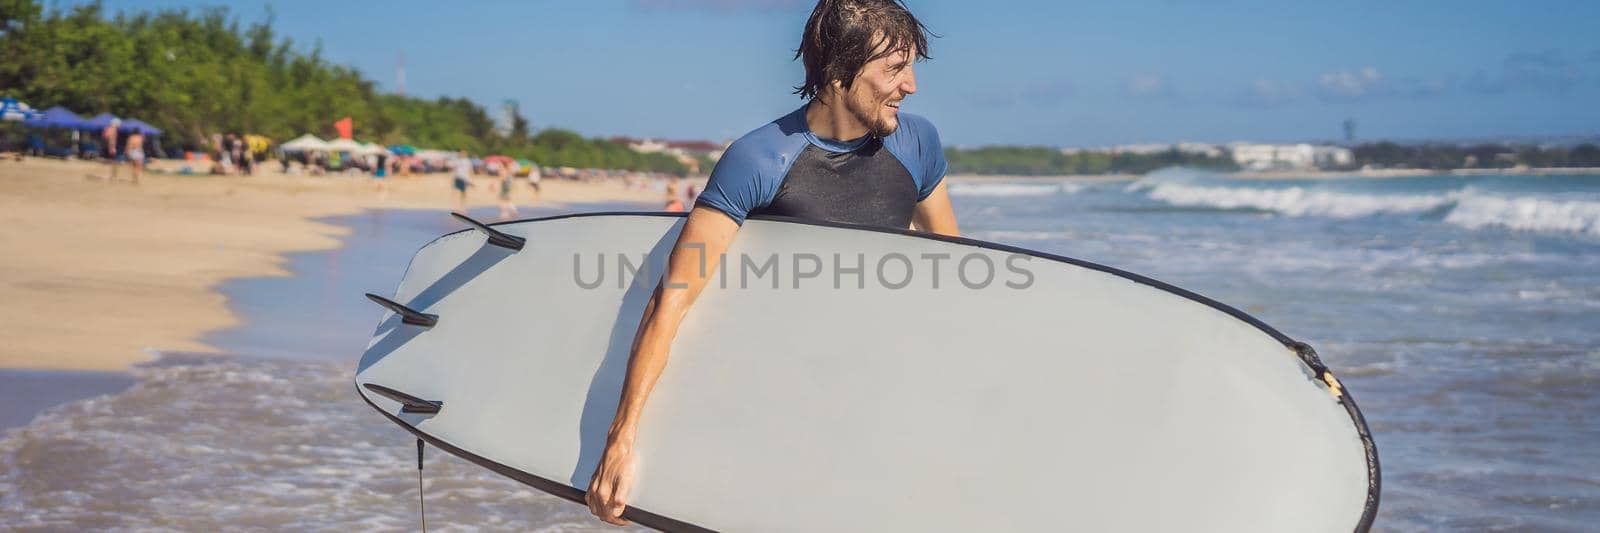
1333, 157
1250, 156
685, 151
1201, 149
509, 110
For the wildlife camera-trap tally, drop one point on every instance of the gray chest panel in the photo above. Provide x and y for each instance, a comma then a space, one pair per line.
866, 186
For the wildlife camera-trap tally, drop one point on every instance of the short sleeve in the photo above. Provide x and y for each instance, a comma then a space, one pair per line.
916, 144
739, 184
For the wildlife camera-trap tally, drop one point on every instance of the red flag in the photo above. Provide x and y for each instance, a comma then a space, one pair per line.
344, 125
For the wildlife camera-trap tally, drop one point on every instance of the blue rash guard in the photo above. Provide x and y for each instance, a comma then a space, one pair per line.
783, 169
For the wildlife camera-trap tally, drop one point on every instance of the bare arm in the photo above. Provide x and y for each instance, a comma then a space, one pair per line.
685, 277
934, 213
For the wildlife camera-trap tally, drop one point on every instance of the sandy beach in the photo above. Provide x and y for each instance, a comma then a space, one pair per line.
98, 275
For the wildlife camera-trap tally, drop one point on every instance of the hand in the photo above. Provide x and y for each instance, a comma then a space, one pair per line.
613, 479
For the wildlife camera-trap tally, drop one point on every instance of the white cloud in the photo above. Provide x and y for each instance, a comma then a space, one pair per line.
1263, 91
1146, 85
1347, 84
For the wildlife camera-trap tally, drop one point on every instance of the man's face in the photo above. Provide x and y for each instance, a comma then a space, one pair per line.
874, 97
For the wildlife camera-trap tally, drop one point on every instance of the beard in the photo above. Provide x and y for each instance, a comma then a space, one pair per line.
869, 113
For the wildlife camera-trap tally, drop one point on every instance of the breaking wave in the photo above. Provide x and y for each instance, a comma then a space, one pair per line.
1527, 213
1466, 207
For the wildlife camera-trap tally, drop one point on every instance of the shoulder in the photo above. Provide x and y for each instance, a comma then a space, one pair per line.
767, 149
914, 129
916, 144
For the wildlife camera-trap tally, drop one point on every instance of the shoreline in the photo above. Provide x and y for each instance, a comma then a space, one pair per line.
102, 275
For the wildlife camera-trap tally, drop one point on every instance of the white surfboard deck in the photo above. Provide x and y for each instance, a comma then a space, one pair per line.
1092, 400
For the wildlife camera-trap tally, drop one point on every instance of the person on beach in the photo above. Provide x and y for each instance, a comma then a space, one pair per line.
674, 195
535, 175
461, 174
379, 172
135, 153
225, 153
848, 155
110, 136
508, 209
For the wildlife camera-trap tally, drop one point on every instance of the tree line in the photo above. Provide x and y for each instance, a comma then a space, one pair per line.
1479, 156
196, 73
1045, 161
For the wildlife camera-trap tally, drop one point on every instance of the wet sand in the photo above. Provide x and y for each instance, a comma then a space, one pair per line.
100, 275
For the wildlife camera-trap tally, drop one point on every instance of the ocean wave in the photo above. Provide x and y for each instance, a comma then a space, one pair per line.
1299, 201
1014, 189
224, 443
1467, 207
1526, 213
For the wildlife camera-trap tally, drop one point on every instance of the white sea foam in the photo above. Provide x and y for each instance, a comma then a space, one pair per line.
1468, 207
1526, 213
209, 444
1299, 201
1014, 189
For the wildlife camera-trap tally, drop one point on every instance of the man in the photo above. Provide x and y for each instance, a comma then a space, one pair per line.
135, 153
848, 155
110, 136
461, 174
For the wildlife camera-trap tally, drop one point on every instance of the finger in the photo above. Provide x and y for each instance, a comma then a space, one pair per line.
624, 487
597, 497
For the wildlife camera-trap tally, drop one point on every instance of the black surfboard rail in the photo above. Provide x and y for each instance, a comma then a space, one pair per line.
555, 488
1302, 351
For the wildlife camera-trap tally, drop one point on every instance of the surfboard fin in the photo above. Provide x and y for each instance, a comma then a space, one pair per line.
408, 403
496, 237
407, 314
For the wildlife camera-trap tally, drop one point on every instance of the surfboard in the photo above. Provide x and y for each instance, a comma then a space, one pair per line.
842, 378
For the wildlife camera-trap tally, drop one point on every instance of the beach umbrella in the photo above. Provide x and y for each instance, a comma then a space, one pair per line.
403, 149
344, 145
100, 121
11, 109
305, 143
55, 117
371, 149
140, 126
504, 161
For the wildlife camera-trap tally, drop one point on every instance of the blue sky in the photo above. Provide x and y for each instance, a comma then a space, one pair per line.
1004, 72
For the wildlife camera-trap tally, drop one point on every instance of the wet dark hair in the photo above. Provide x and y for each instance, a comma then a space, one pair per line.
841, 35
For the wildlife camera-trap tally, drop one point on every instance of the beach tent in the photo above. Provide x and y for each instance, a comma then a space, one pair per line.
305, 143
11, 109
372, 149
140, 126
55, 117
344, 145
100, 121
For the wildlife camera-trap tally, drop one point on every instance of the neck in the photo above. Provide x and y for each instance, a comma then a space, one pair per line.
827, 118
